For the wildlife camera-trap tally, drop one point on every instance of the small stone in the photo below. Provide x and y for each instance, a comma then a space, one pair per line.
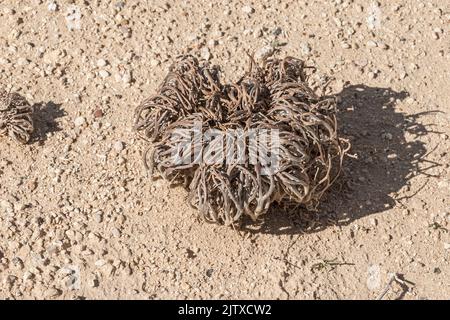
52, 249
100, 263
345, 45
443, 184
258, 33
396, 7
247, 9
115, 232
410, 100
212, 43
374, 277
52, 6
126, 32
264, 52
371, 44
98, 217
79, 121
118, 146
22, 62
108, 270
154, 62
191, 37
413, 67
392, 156
52, 293
205, 54
28, 275
93, 281
103, 74
32, 185
101, 63
306, 48
120, 5
9, 280
218, 34
383, 46
126, 78
277, 31
98, 113
6, 206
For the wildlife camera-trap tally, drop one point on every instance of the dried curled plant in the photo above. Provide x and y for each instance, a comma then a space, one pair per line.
15, 117
274, 96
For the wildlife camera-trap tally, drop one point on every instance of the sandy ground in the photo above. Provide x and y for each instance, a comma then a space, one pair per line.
79, 218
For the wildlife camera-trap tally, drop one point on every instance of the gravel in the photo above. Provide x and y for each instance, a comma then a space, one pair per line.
78, 197
247, 9
119, 146
104, 74
101, 63
79, 121
205, 54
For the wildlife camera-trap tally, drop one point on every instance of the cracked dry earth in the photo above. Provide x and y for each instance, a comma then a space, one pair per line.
79, 218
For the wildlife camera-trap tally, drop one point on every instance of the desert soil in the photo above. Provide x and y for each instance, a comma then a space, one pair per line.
80, 218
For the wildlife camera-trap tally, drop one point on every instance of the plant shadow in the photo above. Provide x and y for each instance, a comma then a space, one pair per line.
384, 164
45, 115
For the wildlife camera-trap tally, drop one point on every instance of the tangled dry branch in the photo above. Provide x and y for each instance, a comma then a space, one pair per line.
274, 95
15, 117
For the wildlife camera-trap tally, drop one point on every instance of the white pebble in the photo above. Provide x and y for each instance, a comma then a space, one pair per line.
264, 52
212, 43
371, 44
79, 121
247, 10
52, 6
206, 55
6, 206
22, 62
306, 48
115, 232
127, 77
154, 62
103, 74
101, 63
118, 146
100, 263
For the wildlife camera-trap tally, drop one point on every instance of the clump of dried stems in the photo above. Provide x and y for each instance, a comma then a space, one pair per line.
274, 95
15, 117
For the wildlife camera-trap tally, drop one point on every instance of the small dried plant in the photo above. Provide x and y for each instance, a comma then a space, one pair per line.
15, 117
274, 95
